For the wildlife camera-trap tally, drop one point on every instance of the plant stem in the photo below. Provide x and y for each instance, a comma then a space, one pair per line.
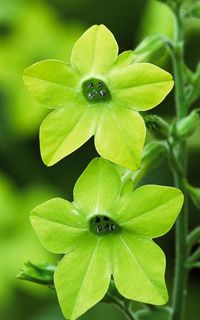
180, 283
124, 307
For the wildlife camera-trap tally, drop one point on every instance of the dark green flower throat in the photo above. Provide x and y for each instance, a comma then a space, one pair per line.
95, 90
101, 225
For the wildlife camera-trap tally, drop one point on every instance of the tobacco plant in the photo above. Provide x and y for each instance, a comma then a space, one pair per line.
106, 233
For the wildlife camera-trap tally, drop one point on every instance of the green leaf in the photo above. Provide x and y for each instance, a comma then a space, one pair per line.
120, 136
138, 269
65, 130
95, 52
58, 225
52, 83
141, 86
82, 277
97, 188
150, 210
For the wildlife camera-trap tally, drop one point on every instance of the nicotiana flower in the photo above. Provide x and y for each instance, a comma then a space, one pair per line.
105, 234
99, 93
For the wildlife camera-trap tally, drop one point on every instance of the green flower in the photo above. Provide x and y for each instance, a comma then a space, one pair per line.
106, 234
99, 93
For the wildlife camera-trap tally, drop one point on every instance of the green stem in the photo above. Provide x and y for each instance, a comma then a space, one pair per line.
180, 284
195, 256
124, 308
192, 238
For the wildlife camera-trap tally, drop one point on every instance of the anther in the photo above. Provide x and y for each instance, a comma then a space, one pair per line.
112, 227
90, 96
99, 229
99, 84
106, 218
90, 85
102, 93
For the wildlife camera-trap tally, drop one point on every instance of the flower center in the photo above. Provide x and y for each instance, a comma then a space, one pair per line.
95, 90
102, 225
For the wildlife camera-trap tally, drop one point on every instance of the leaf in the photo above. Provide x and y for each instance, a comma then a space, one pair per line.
65, 130
150, 210
95, 52
138, 269
51, 83
97, 188
82, 277
58, 226
141, 86
120, 136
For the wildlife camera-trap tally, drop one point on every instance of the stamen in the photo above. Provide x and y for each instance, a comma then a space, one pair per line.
102, 225
95, 90
102, 93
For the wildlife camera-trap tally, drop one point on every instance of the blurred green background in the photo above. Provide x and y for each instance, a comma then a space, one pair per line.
31, 31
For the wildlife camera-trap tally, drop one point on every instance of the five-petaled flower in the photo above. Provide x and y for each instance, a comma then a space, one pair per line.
99, 93
106, 233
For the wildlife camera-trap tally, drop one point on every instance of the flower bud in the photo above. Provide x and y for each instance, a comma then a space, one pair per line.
157, 126
150, 49
185, 127
195, 11
42, 274
153, 154
194, 194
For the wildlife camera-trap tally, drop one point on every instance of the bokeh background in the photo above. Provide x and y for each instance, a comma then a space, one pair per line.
31, 31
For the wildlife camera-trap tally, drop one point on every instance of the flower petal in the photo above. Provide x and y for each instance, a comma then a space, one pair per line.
124, 59
97, 188
138, 269
51, 83
150, 210
58, 225
95, 52
120, 136
140, 86
82, 277
65, 130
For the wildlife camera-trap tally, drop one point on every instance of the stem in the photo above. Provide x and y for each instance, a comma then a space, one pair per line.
193, 237
180, 284
124, 307
195, 256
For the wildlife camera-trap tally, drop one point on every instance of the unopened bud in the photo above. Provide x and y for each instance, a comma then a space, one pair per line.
41, 274
194, 194
157, 126
153, 154
195, 11
185, 127
150, 49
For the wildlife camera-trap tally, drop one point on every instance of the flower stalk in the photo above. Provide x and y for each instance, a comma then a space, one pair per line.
180, 284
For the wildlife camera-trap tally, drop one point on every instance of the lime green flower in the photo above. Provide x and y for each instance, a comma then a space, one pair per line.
106, 233
99, 93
